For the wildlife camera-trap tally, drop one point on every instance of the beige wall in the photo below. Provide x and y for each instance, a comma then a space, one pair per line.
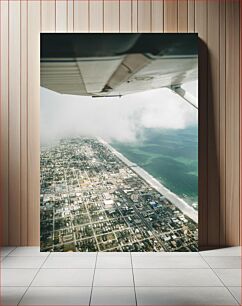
217, 23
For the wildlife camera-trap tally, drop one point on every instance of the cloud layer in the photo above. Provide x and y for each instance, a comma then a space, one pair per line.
121, 119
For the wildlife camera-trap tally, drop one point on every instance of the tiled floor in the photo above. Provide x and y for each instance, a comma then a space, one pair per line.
29, 277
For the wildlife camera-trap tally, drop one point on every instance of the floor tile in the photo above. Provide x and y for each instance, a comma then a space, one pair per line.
169, 262
184, 296
64, 277
23, 262
57, 296
72, 254
17, 277
28, 251
230, 277
113, 277
73, 262
231, 251
4, 251
12, 295
166, 254
236, 292
175, 277
114, 254
118, 261
231, 262
113, 296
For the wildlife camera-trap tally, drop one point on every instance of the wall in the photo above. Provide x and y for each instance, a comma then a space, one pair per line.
217, 23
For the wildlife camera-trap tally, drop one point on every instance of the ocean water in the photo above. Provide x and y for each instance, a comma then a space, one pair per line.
171, 156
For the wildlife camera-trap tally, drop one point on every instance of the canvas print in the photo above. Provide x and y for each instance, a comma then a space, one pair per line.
119, 142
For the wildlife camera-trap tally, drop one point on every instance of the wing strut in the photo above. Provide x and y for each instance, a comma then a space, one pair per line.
184, 94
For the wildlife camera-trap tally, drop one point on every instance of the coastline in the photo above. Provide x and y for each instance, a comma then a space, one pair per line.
172, 197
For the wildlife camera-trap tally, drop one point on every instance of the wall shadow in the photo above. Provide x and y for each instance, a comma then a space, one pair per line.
210, 225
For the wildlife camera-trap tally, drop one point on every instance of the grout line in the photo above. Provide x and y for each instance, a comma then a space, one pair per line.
90, 299
33, 279
91, 268
220, 256
34, 268
143, 286
26, 256
221, 268
135, 295
220, 280
239, 302
14, 248
101, 256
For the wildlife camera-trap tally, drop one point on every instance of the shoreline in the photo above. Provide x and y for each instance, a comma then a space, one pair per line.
172, 197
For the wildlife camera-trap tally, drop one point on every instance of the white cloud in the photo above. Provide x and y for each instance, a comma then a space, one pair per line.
119, 119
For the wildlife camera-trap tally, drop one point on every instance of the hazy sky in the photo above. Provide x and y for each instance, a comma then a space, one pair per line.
120, 119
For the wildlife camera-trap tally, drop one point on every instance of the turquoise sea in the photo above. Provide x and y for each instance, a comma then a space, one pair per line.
171, 156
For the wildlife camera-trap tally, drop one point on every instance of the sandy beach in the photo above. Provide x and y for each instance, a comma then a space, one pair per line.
172, 197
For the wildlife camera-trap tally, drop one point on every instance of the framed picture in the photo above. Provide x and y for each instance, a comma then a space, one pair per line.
119, 142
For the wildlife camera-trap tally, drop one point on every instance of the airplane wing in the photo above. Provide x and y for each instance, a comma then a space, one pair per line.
116, 64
